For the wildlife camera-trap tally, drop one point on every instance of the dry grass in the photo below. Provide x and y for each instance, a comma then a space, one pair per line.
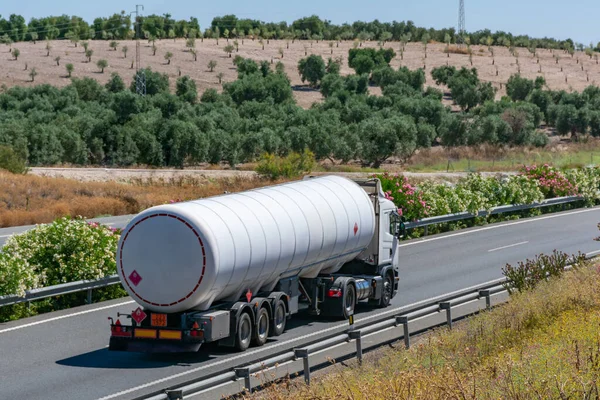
27, 199
457, 50
494, 158
543, 344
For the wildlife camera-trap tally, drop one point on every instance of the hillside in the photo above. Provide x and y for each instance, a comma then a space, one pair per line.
571, 73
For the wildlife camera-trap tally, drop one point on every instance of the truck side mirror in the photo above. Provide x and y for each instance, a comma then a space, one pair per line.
397, 226
401, 232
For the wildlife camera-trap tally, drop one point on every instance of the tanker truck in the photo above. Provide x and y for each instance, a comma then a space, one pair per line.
234, 268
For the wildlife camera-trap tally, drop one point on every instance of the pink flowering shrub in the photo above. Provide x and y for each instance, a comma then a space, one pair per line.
551, 181
406, 196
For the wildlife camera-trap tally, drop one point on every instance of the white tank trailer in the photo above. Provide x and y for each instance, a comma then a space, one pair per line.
234, 268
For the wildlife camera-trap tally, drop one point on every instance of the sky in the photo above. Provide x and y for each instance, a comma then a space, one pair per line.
576, 19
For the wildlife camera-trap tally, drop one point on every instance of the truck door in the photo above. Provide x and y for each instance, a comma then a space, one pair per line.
386, 237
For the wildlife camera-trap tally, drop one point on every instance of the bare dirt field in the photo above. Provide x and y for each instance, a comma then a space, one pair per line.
162, 176
577, 72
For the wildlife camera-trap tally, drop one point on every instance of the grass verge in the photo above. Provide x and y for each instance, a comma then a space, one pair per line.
492, 158
28, 199
543, 344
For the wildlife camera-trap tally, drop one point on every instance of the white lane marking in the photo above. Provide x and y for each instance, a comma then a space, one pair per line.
509, 246
3, 236
278, 344
14, 328
591, 253
487, 228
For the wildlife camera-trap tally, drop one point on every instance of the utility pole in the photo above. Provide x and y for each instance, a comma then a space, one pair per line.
140, 74
461, 22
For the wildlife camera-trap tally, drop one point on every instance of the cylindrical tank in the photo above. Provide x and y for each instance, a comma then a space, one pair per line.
188, 255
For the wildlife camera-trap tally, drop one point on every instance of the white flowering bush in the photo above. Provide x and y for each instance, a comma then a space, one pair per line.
66, 250
588, 182
477, 193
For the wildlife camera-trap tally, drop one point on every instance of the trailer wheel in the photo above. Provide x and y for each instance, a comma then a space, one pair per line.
349, 301
243, 334
278, 322
261, 331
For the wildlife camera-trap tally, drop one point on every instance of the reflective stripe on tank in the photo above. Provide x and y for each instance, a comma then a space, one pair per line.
203, 260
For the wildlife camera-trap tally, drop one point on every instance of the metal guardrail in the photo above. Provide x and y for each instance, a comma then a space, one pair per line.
444, 303
432, 307
441, 219
89, 286
59, 290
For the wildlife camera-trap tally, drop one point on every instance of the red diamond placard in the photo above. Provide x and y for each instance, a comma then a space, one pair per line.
135, 278
138, 315
355, 228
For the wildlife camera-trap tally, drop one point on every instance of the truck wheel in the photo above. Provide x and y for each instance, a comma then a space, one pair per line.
261, 333
244, 332
278, 322
386, 295
349, 301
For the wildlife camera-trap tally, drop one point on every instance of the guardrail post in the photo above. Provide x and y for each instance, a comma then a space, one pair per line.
448, 307
401, 319
303, 353
89, 296
488, 301
356, 336
244, 373
426, 230
174, 394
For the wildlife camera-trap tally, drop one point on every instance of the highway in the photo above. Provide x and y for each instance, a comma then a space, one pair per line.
63, 355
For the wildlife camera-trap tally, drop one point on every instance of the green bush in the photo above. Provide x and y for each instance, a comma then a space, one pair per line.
473, 194
291, 166
10, 161
66, 250
527, 275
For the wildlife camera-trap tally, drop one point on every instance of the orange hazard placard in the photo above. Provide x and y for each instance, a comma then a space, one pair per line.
158, 319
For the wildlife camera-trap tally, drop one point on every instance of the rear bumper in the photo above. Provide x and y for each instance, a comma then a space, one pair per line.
152, 346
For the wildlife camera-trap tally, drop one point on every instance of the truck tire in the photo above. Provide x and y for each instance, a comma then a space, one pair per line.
261, 330
349, 301
386, 293
243, 334
388, 289
279, 318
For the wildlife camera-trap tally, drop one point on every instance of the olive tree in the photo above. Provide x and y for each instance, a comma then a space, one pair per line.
312, 69
518, 88
211, 65
101, 64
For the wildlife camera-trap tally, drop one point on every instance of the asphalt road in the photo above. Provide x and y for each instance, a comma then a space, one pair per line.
63, 355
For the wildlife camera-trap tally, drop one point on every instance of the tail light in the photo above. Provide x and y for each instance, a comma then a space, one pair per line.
334, 293
117, 329
195, 329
